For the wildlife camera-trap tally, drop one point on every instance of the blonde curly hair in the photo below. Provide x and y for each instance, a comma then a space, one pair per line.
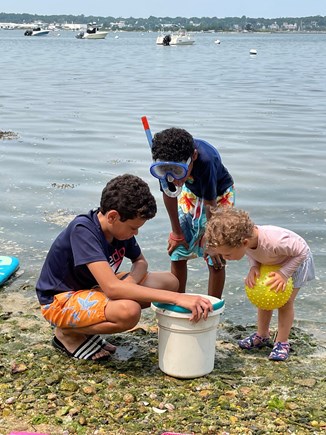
228, 226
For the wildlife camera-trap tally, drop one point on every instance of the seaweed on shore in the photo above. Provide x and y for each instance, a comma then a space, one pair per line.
41, 390
7, 135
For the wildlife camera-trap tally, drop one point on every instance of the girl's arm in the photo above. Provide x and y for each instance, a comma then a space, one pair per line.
296, 249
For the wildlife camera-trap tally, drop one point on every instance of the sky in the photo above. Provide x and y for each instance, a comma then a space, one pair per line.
169, 8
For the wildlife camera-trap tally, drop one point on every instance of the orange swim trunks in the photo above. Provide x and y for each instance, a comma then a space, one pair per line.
77, 309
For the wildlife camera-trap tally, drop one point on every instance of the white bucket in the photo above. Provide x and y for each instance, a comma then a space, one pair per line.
186, 349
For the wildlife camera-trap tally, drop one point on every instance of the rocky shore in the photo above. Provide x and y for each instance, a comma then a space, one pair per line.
41, 390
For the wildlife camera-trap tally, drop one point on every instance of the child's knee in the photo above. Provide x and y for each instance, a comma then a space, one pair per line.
162, 280
132, 312
126, 313
170, 282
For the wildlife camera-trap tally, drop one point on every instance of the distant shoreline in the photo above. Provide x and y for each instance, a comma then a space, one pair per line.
258, 32
295, 24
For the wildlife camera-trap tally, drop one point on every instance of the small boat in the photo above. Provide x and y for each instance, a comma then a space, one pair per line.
92, 32
36, 31
179, 38
163, 39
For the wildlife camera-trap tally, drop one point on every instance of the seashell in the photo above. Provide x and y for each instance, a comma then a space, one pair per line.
158, 411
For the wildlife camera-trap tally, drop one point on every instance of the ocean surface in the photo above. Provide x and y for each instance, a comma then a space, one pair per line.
76, 105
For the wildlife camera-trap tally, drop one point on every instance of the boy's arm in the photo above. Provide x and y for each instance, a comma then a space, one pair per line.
176, 237
116, 289
209, 206
138, 270
171, 205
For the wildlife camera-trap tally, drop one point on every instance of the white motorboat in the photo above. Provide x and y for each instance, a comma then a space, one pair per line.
36, 31
92, 32
163, 39
179, 38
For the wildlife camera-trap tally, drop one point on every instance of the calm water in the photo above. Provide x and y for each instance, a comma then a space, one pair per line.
76, 107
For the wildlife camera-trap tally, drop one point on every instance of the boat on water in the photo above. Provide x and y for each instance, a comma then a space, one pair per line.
36, 31
179, 38
92, 32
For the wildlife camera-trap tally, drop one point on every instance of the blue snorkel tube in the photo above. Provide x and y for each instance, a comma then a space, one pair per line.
164, 182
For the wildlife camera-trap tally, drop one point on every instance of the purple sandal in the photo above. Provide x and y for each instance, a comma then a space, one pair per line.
254, 341
280, 351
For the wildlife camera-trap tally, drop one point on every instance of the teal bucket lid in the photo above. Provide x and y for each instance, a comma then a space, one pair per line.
178, 309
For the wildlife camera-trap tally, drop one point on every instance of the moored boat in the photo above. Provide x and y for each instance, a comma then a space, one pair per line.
36, 31
179, 38
92, 32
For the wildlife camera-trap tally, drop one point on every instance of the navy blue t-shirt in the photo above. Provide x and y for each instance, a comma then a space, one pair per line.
82, 242
209, 177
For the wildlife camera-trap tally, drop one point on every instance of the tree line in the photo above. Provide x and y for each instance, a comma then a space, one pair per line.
312, 23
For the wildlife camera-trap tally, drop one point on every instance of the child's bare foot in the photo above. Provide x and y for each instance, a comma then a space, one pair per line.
90, 347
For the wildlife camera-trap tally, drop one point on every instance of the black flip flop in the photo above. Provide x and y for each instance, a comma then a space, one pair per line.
86, 350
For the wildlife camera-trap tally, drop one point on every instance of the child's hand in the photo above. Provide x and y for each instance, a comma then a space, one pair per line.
174, 241
218, 261
199, 306
277, 282
252, 276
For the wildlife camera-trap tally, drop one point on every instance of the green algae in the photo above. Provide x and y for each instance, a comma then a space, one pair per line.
8, 135
41, 390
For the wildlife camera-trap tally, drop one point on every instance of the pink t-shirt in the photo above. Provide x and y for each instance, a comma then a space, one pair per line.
277, 245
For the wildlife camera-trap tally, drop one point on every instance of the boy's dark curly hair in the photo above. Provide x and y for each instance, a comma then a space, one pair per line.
130, 196
173, 144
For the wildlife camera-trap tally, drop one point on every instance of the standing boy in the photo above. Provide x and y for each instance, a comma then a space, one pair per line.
195, 167
80, 289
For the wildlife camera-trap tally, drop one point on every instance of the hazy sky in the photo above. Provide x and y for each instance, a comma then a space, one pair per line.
169, 8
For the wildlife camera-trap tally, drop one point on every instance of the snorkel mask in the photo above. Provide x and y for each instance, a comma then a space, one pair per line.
169, 170
166, 172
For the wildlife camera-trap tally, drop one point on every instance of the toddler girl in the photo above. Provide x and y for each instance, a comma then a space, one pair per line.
231, 233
